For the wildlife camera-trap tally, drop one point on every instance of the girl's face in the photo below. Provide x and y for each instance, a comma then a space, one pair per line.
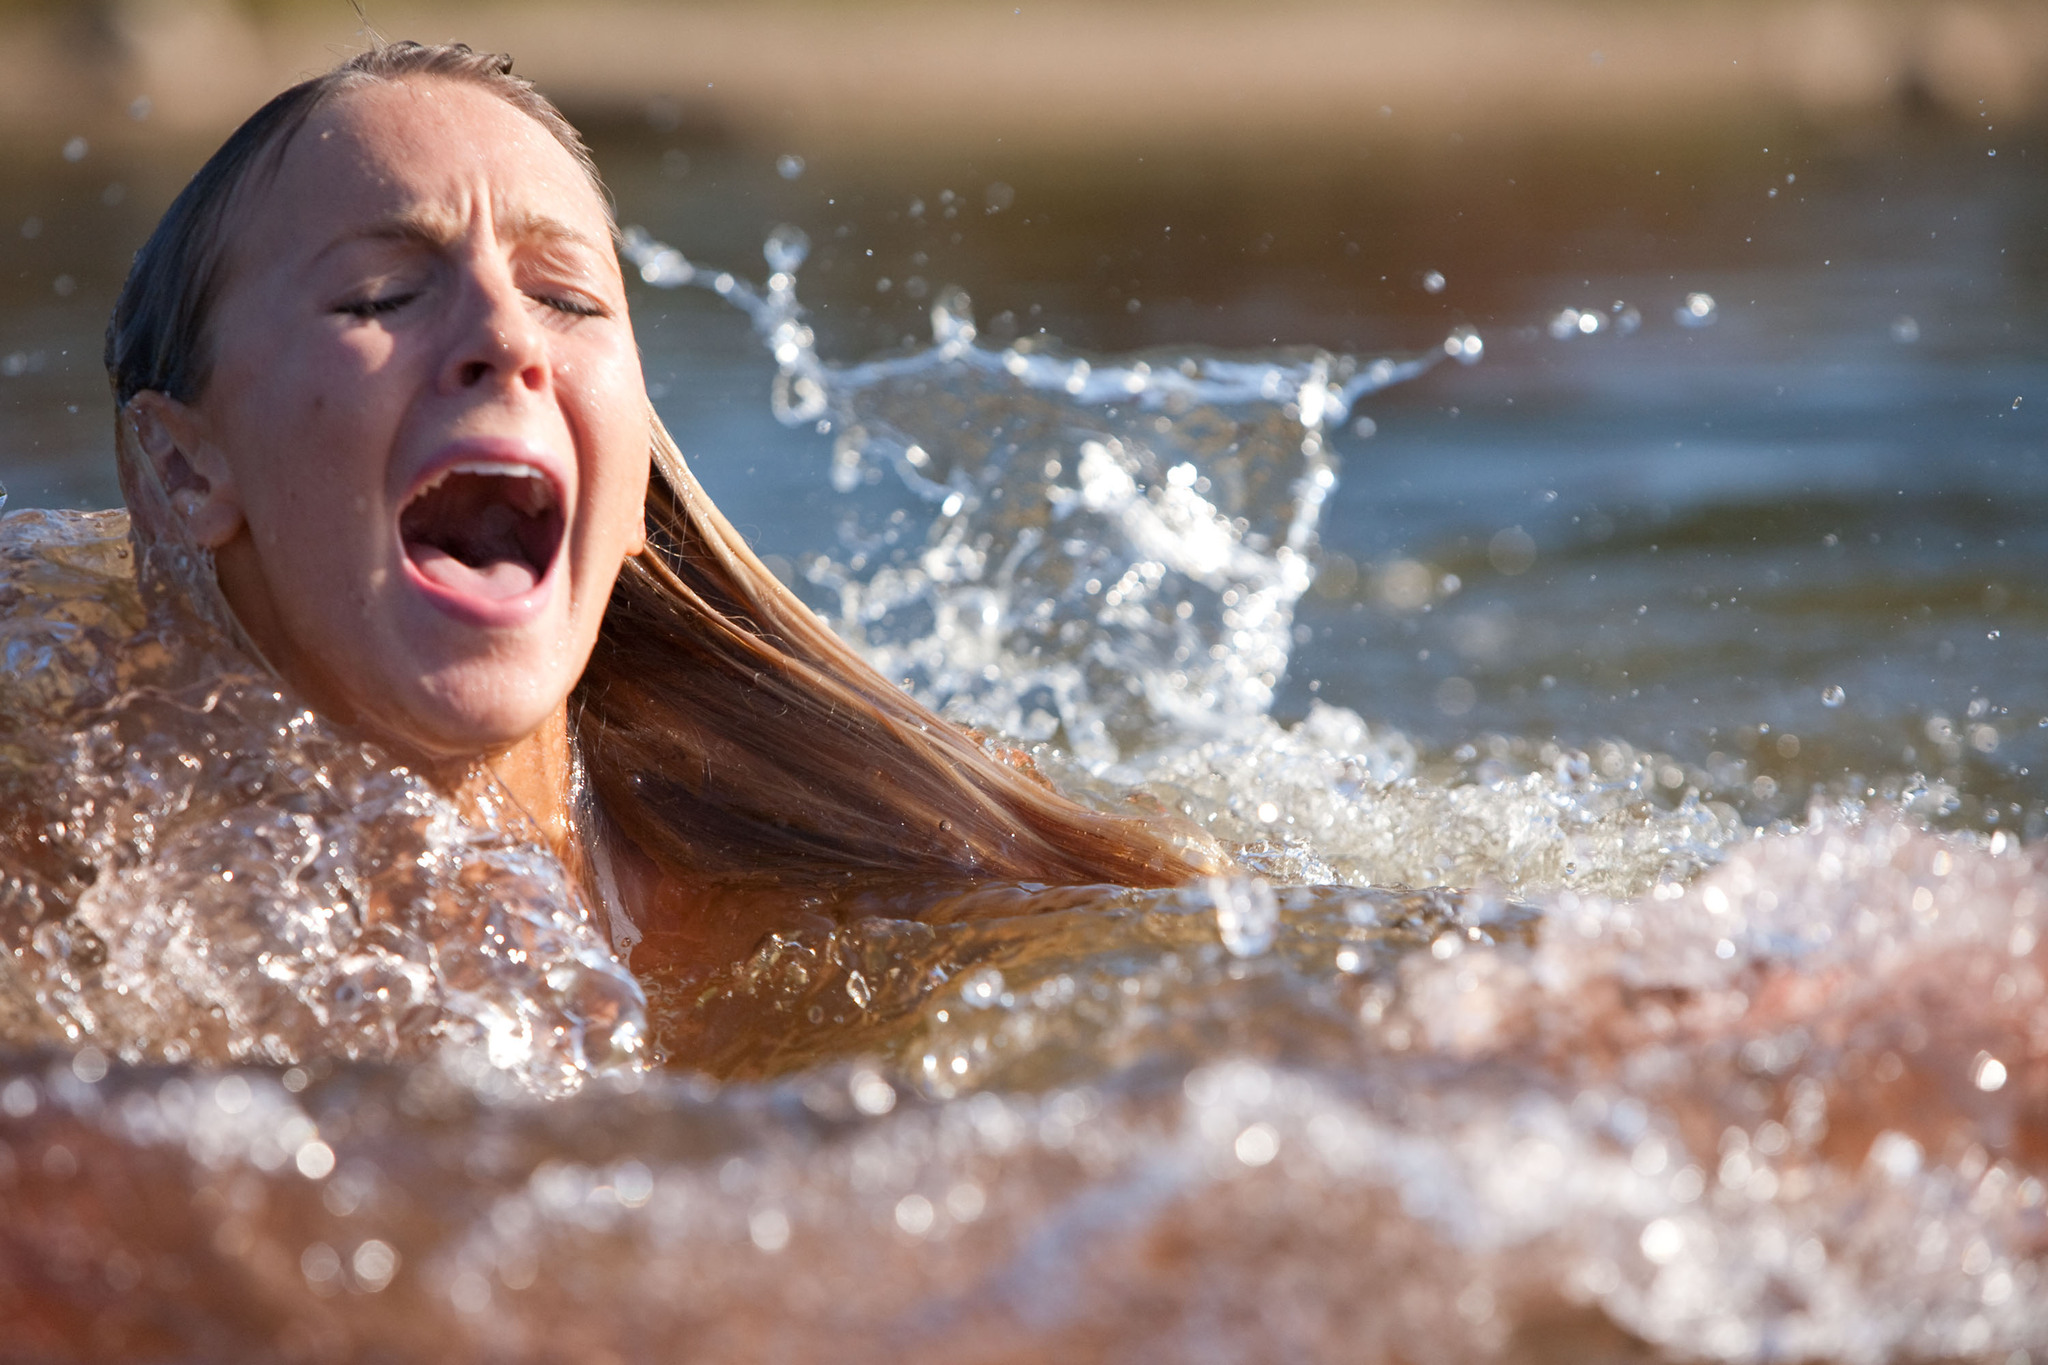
422, 450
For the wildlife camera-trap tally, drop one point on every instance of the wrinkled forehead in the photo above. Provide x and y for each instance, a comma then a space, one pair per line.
423, 148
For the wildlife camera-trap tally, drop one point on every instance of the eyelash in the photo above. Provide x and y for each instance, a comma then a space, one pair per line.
575, 307
365, 309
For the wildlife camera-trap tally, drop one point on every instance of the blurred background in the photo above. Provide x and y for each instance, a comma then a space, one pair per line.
1752, 472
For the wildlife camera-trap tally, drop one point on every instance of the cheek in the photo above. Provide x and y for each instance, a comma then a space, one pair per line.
310, 443
608, 402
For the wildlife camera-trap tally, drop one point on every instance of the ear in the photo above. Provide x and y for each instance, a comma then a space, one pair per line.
192, 470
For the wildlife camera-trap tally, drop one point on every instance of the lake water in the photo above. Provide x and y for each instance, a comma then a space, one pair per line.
1633, 729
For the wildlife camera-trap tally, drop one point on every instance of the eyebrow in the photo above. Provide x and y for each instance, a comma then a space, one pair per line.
428, 228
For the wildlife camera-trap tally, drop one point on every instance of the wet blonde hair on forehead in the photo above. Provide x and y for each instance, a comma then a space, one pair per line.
725, 731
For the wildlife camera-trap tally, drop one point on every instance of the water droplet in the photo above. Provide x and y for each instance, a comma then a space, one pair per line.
1247, 914
18, 1098
872, 1095
1433, 282
1832, 696
1257, 1145
1570, 322
769, 1229
1662, 1241
374, 1263
319, 1264
315, 1160
1512, 550
914, 1214
1698, 310
789, 165
982, 988
786, 248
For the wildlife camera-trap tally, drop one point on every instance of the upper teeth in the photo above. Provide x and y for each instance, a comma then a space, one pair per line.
539, 493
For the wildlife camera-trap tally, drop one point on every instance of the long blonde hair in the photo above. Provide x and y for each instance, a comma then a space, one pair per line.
724, 729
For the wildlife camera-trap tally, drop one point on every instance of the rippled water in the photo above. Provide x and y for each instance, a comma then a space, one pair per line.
1632, 956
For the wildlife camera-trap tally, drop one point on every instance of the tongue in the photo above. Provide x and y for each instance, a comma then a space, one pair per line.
467, 536
496, 580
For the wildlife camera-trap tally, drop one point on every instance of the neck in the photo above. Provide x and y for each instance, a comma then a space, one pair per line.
538, 773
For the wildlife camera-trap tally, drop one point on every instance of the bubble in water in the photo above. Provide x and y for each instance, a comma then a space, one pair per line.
76, 148
1463, 345
786, 249
1832, 696
1433, 282
1905, 330
1698, 310
789, 165
998, 196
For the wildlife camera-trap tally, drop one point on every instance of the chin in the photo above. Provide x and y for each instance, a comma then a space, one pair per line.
475, 717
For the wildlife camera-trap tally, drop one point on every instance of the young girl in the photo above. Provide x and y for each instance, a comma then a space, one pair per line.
381, 415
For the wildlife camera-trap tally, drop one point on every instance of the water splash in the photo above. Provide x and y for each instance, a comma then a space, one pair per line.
1104, 555
197, 868
1427, 1127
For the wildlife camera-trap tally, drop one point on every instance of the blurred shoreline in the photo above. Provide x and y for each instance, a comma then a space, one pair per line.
1065, 76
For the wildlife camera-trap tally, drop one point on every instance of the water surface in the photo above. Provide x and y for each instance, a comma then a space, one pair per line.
1631, 742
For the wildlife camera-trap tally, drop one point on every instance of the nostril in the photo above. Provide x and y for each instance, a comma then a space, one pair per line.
473, 373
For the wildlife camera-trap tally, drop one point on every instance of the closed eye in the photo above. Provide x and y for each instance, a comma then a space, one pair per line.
370, 308
573, 304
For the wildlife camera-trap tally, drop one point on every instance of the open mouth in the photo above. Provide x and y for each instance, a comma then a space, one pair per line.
484, 529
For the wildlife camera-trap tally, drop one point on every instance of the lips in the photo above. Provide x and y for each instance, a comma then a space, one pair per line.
482, 533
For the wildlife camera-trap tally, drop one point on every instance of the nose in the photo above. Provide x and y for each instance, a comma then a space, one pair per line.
498, 340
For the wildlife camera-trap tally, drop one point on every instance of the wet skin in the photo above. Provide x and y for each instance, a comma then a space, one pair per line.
426, 284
